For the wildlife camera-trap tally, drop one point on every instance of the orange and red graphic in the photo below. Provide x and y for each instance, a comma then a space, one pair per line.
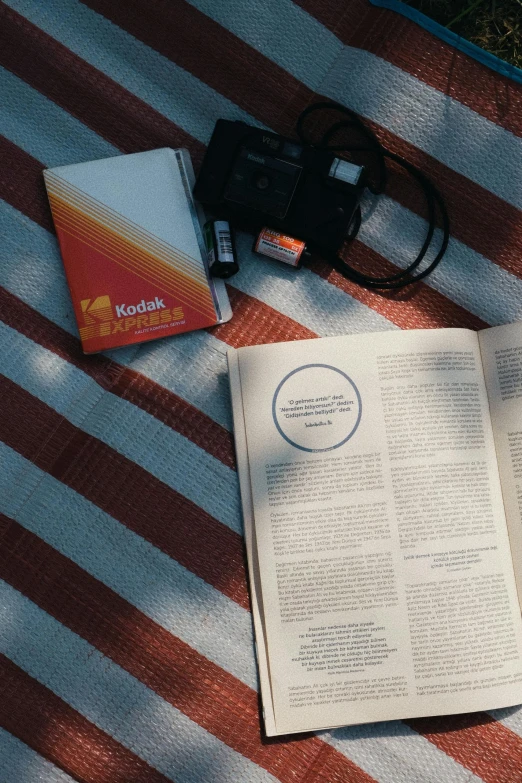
150, 288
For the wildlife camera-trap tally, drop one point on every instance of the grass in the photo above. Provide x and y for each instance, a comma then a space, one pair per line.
494, 25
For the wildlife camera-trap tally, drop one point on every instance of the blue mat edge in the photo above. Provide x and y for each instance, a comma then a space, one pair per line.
486, 58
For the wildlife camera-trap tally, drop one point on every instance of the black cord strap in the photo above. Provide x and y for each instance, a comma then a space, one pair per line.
434, 200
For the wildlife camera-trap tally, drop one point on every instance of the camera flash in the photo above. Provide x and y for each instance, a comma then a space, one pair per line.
345, 171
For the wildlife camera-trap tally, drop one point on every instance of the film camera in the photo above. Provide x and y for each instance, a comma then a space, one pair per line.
256, 178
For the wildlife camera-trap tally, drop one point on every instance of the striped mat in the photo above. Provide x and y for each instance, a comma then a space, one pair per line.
126, 646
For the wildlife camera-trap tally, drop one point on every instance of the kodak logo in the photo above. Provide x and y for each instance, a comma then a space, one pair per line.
141, 307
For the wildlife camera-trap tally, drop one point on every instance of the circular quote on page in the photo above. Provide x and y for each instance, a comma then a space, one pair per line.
316, 407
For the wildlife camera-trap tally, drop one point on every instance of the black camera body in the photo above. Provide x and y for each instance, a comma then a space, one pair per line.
255, 178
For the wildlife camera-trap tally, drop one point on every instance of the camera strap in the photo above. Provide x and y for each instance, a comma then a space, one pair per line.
372, 146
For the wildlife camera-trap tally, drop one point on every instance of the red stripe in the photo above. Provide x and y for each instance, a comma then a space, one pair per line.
24, 188
28, 203
480, 219
478, 742
416, 307
207, 694
102, 104
147, 639
128, 384
23, 184
200, 689
255, 322
37, 416
408, 46
423, 307
124, 490
46, 723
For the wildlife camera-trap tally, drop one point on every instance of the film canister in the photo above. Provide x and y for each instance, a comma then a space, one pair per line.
275, 245
221, 253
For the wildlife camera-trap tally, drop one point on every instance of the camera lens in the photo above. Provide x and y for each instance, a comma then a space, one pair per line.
261, 181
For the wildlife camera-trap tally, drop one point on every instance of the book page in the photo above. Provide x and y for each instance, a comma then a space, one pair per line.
250, 541
501, 349
386, 583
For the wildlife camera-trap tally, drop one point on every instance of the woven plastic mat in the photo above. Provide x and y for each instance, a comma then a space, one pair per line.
126, 651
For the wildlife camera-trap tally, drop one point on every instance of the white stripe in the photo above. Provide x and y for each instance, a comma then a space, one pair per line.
162, 84
304, 296
43, 129
150, 580
446, 129
21, 764
459, 137
181, 603
31, 267
113, 700
431, 120
394, 753
463, 275
166, 454
510, 717
131, 431
194, 367
282, 31
33, 271
393, 231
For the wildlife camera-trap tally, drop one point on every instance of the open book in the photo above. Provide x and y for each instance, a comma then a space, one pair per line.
381, 481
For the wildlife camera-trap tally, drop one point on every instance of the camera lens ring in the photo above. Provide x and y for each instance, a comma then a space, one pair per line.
261, 181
